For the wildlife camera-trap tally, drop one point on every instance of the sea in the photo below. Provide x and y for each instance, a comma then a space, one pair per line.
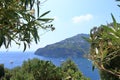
14, 59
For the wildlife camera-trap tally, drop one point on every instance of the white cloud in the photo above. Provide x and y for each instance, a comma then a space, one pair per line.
82, 18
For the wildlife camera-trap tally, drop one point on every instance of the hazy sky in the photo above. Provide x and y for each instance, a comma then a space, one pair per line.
73, 17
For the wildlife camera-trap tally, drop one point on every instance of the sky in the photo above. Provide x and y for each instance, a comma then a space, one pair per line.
72, 17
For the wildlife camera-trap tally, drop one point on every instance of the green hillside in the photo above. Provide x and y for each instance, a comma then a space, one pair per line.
75, 46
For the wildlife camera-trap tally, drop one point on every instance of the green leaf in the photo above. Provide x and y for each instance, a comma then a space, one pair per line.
26, 4
118, 5
45, 19
105, 52
4, 41
93, 68
1, 38
31, 4
24, 46
35, 35
87, 39
1, 42
38, 7
114, 22
45, 13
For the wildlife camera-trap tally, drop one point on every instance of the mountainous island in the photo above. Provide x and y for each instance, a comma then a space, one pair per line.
75, 46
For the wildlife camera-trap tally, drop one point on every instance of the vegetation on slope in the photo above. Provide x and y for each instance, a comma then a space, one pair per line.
105, 50
71, 47
36, 69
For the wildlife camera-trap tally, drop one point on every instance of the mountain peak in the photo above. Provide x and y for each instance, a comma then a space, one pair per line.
70, 47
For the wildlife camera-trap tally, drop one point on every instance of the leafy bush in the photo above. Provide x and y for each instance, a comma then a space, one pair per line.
71, 72
2, 72
105, 50
36, 69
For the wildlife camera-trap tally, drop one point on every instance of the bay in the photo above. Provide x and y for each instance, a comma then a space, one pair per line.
14, 59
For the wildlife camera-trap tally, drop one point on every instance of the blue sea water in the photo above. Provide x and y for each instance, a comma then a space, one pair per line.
13, 59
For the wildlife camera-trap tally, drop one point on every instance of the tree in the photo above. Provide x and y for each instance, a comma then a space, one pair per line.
20, 21
71, 72
2, 72
36, 69
105, 50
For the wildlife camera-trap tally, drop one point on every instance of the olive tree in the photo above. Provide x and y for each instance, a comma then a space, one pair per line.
20, 21
105, 49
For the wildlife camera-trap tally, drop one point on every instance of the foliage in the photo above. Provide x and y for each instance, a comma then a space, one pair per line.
2, 72
19, 22
36, 69
71, 72
105, 48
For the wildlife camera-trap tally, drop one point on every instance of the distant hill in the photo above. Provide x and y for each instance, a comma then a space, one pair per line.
75, 46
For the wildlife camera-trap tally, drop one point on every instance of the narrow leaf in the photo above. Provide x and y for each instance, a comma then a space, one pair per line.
114, 22
35, 35
86, 39
24, 46
1, 42
26, 4
45, 13
93, 68
118, 5
30, 4
38, 8
1, 39
45, 19
4, 41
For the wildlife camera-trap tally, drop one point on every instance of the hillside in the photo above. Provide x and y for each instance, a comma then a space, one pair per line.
75, 46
